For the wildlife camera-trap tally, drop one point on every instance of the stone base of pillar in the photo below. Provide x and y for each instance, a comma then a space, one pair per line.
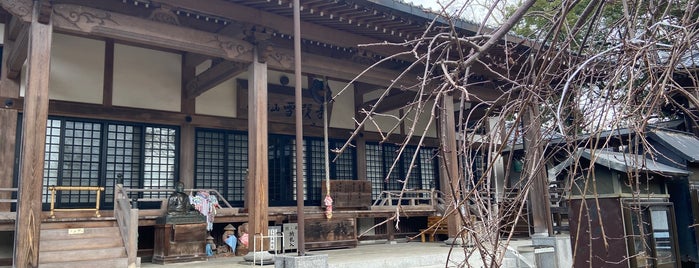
308, 261
259, 258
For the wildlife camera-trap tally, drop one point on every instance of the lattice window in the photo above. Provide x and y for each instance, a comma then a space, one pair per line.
51, 156
374, 169
221, 163
315, 165
380, 158
428, 168
160, 156
281, 170
210, 163
123, 157
237, 145
344, 167
393, 172
94, 153
81, 161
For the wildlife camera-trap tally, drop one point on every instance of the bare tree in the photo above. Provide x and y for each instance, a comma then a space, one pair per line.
587, 67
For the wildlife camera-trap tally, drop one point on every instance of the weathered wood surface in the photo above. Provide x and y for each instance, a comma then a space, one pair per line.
179, 243
348, 194
212, 77
127, 221
281, 105
257, 200
36, 108
448, 141
333, 233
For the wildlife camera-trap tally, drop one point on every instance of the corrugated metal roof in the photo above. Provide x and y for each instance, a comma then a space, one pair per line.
685, 144
625, 162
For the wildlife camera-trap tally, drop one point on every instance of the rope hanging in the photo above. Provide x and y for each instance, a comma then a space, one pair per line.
328, 201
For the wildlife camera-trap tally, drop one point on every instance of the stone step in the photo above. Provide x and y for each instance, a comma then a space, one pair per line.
80, 244
81, 255
78, 233
110, 263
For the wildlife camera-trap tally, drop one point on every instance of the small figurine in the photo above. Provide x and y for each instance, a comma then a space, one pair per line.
210, 246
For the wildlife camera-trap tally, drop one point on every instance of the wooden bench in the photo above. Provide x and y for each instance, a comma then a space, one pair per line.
434, 227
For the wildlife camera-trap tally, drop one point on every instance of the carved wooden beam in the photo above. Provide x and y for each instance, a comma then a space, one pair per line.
18, 53
86, 20
15, 26
22, 9
91, 21
214, 76
194, 59
391, 102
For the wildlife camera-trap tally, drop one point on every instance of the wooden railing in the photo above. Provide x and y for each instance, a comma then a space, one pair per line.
127, 219
218, 195
53, 190
409, 198
8, 200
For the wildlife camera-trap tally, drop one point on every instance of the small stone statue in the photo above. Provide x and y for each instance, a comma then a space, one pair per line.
229, 239
178, 202
243, 240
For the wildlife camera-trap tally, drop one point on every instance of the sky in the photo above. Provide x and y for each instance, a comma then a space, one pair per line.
474, 12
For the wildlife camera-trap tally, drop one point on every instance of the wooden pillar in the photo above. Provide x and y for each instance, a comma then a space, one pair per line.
257, 185
534, 169
36, 105
360, 141
187, 132
451, 186
9, 88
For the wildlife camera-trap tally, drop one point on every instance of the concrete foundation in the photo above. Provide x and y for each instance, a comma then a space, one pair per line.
536, 256
308, 261
561, 244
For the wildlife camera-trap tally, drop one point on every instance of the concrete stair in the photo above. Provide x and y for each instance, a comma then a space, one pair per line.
88, 245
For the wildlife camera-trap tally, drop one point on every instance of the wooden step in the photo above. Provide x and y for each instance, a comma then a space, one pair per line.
111, 263
78, 233
63, 223
81, 255
80, 244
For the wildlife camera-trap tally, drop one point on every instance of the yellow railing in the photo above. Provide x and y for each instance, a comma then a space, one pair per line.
53, 190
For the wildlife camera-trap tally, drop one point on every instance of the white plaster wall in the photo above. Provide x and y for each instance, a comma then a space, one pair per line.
146, 78
2, 33
343, 108
386, 122
77, 69
23, 79
220, 100
425, 119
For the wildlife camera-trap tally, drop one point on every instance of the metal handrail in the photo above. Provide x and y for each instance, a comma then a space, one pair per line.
53, 190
